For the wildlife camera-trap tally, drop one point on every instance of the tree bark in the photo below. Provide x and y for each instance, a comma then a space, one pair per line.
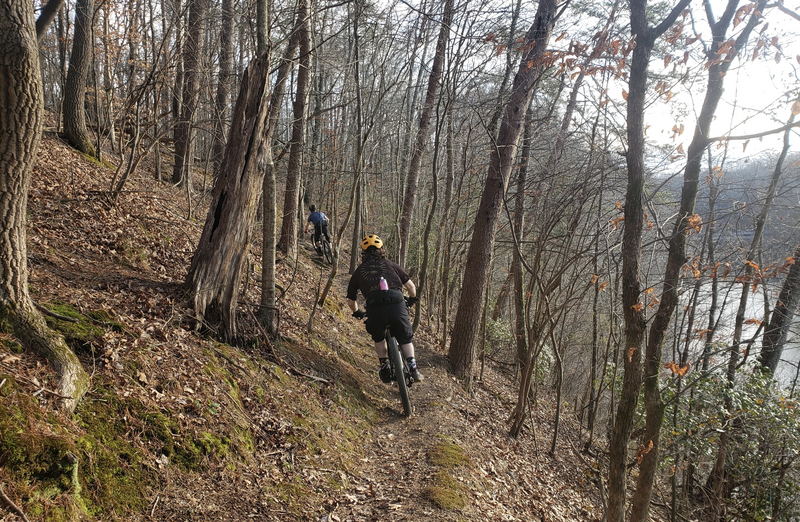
412, 178
782, 315
48, 14
224, 81
633, 311
465, 327
77, 75
215, 274
288, 240
181, 173
21, 119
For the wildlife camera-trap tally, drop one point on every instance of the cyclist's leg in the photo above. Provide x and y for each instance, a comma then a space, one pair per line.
325, 231
407, 349
380, 349
401, 326
376, 327
317, 232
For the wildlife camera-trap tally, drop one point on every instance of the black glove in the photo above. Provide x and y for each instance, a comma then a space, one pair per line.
411, 301
359, 314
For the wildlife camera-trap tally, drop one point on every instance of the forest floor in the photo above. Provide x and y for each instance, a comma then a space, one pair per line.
298, 428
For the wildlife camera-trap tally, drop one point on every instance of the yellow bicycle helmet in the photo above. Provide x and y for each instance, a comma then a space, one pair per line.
370, 241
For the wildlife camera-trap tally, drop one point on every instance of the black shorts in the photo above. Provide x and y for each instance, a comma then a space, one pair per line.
392, 314
321, 229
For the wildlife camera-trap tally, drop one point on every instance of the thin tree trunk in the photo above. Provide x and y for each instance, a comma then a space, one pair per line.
288, 240
267, 312
633, 310
716, 480
412, 177
654, 404
224, 81
776, 331
517, 275
192, 60
783, 313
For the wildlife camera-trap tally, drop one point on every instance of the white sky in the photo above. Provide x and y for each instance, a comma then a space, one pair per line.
755, 98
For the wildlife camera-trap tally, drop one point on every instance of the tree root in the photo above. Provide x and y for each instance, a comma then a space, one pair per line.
11, 504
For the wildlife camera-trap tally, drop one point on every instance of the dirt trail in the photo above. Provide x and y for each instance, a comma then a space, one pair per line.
103, 260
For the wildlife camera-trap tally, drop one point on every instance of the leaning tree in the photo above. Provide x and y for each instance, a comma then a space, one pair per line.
21, 115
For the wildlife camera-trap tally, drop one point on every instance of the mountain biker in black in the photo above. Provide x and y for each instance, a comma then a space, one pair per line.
320, 222
381, 282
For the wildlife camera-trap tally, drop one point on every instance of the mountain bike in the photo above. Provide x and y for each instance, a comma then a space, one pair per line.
399, 371
323, 249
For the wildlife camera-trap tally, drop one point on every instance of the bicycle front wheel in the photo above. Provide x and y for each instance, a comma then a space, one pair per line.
397, 362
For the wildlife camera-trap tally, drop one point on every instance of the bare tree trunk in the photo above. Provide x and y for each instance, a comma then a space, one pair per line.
442, 234
288, 240
423, 270
517, 275
782, 314
462, 346
776, 331
48, 14
215, 274
224, 81
268, 313
422, 131
654, 404
181, 173
633, 311
21, 119
358, 161
77, 76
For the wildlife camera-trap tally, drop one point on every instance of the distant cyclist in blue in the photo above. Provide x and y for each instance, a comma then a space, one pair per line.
320, 222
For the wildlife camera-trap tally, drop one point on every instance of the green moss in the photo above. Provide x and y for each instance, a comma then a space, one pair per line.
10, 343
446, 492
43, 466
447, 454
100, 163
86, 330
7, 384
113, 473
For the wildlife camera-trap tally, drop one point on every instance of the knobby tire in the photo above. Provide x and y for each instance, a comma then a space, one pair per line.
326, 251
399, 373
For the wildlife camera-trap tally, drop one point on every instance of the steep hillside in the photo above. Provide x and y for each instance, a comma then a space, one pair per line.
178, 426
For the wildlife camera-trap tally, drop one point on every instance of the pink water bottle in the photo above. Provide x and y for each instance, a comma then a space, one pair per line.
384, 285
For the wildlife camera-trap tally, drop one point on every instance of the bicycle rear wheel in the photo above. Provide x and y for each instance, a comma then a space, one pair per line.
397, 361
326, 251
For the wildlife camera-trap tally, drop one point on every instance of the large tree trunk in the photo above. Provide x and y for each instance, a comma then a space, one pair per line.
181, 172
633, 311
465, 328
21, 115
288, 240
215, 274
77, 74
422, 132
